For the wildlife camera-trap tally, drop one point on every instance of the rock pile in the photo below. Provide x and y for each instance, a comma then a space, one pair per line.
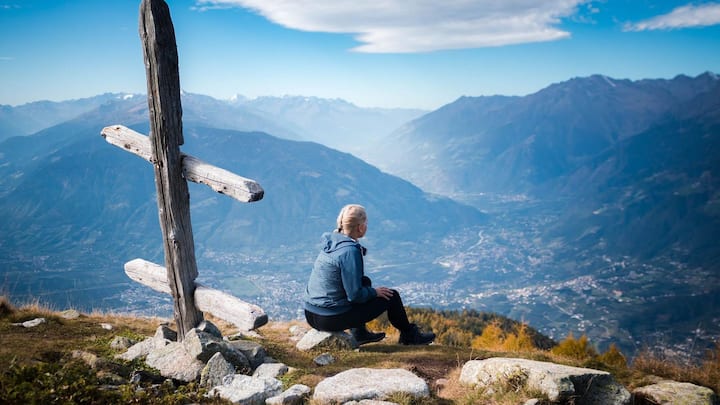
237, 370
242, 372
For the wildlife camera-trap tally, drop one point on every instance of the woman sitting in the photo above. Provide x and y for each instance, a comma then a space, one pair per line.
339, 296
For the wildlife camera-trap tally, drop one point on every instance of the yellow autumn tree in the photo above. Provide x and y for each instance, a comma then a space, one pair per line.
491, 338
454, 337
613, 357
579, 349
520, 341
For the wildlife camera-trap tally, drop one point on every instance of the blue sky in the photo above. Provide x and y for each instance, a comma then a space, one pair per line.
374, 53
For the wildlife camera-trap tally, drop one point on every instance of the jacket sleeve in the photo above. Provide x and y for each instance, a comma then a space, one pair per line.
351, 270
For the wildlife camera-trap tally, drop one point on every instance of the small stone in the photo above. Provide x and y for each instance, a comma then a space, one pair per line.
209, 327
121, 343
88, 358
254, 352
32, 323
366, 383
324, 359
139, 376
164, 332
70, 314
270, 370
135, 378
203, 346
168, 384
245, 334
215, 371
244, 389
142, 348
295, 395
106, 326
297, 332
673, 392
315, 339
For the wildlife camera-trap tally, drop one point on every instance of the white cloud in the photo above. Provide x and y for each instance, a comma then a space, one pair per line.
682, 17
420, 25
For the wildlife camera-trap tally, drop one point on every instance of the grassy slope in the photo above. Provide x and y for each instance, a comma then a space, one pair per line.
39, 360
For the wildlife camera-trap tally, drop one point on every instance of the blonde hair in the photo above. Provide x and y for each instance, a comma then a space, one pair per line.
350, 216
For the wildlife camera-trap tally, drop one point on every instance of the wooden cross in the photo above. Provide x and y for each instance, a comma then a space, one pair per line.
172, 169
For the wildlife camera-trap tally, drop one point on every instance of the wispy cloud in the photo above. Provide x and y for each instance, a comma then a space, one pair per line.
395, 26
6, 58
691, 15
206, 5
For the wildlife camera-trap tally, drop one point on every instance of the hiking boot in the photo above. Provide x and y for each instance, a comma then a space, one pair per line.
362, 335
413, 336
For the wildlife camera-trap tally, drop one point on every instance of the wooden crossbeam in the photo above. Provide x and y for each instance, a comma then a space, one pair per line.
194, 169
244, 315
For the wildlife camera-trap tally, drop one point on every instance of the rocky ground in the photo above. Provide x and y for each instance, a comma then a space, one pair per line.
68, 357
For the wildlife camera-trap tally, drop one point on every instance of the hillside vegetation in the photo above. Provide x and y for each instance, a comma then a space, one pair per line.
71, 361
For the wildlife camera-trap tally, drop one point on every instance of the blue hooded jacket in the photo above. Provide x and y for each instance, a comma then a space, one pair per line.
336, 279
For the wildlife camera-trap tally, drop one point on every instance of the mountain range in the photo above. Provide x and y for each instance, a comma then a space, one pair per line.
615, 182
76, 208
334, 123
591, 206
516, 144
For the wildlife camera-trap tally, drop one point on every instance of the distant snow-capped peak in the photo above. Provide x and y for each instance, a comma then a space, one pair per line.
609, 80
238, 98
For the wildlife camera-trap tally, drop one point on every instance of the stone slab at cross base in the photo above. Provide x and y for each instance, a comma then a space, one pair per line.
673, 392
369, 383
560, 383
163, 337
215, 371
253, 351
185, 360
173, 361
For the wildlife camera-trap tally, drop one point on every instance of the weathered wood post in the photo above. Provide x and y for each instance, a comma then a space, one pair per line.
172, 169
163, 89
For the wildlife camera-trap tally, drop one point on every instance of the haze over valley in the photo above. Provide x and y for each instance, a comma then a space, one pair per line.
591, 206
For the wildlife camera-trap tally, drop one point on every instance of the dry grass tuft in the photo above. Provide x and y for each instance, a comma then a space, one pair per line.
705, 373
451, 388
36, 308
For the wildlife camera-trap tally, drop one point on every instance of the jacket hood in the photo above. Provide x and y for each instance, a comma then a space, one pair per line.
334, 241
